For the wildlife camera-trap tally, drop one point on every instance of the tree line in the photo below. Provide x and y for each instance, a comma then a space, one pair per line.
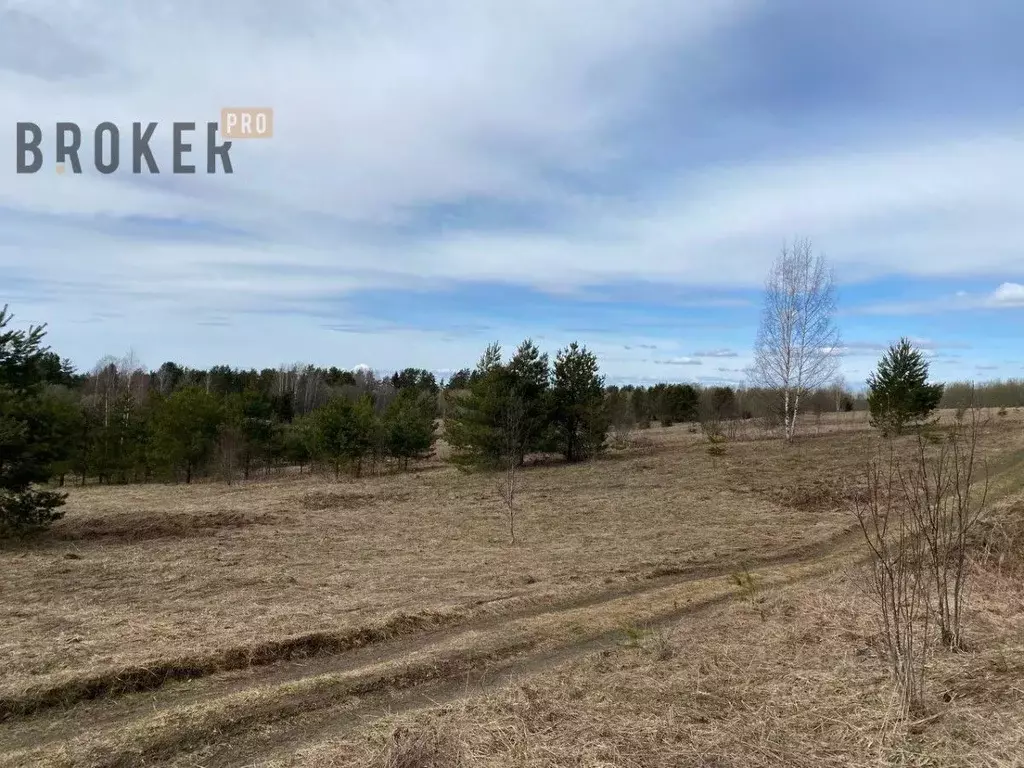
120, 423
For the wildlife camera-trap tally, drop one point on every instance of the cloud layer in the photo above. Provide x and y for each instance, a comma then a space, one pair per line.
651, 156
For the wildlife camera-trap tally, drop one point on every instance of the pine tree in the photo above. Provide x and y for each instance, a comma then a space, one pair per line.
899, 393
527, 382
639, 401
577, 397
344, 432
472, 427
409, 425
185, 429
298, 441
30, 436
679, 402
366, 429
250, 417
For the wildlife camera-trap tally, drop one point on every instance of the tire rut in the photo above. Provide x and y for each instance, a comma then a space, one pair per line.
175, 693
287, 737
293, 728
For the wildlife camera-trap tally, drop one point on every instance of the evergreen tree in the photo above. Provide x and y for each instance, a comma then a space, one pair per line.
617, 406
409, 425
31, 448
417, 378
185, 429
250, 418
723, 402
331, 427
64, 413
344, 432
639, 401
460, 379
472, 428
299, 441
577, 396
679, 402
527, 382
366, 432
899, 393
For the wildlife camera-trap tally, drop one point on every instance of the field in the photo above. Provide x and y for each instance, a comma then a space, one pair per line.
303, 621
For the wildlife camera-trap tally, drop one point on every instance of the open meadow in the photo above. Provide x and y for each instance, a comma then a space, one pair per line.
661, 606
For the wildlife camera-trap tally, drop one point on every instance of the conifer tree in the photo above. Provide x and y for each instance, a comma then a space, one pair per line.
409, 425
475, 414
30, 439
899, 393
186, 427
528, 381
578, 409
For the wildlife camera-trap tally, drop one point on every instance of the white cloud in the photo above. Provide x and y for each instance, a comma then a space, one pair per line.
1008, 294
679, 361
383, 110
722, 352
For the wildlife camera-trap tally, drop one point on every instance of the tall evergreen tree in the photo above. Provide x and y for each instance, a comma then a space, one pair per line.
577, 395
299, 441
679, 402
527, 382
899, 394
409, 425
417, 378
344, 432
31, 445
250, 417
186, 426
474, 414
640, 402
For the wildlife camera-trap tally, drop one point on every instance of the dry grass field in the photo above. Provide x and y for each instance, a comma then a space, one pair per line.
388, 621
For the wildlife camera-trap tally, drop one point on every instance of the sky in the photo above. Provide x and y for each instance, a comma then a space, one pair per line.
448, 173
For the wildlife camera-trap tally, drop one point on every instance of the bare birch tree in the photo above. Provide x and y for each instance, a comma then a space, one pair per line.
797, 342
513, 424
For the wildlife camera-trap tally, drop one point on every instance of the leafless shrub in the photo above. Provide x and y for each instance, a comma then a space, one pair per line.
946, 504
898, 574
770, 421
731, 429
710, 420
622, 434
711, 427
716, 450
918, 520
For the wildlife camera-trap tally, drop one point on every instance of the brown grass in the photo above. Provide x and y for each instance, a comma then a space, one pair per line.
183, 576
796, 683
143, 585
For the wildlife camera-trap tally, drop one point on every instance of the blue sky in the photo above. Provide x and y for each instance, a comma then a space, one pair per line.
444, 174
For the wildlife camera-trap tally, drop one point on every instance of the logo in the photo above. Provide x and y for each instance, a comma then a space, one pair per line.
107, 140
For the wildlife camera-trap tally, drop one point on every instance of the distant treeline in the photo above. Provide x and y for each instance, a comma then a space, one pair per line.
120, 423
1008, 393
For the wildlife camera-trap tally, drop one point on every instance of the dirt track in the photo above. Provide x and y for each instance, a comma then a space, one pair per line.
246, 717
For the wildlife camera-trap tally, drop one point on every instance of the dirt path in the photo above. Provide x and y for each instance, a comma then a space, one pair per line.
233, 718
255, 749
